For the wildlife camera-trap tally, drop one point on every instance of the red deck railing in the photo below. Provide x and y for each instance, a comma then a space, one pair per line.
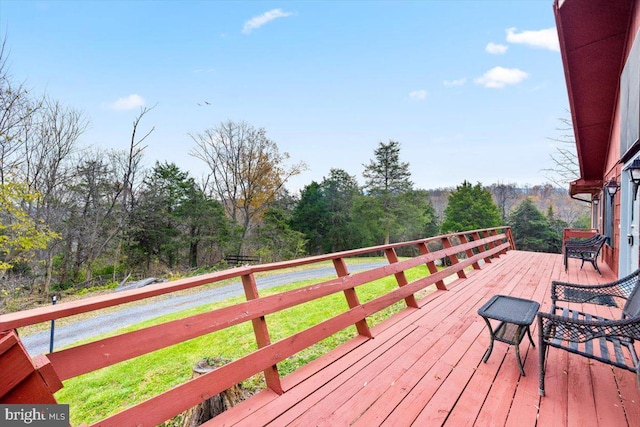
577, 233
35, 380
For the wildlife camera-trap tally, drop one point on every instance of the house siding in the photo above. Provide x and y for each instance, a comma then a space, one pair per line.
613, 168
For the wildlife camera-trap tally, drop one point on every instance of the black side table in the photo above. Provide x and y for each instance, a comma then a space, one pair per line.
515, 316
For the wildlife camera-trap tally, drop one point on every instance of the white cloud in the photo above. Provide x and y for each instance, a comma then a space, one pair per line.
546, 39
127, 103
418, 94
496, 49
260, 20
499, 77
457, 82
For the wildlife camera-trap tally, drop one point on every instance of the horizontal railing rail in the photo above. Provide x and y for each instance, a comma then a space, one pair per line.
578, 233
460, 250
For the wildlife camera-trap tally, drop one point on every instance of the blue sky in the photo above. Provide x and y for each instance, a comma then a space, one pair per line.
471, 89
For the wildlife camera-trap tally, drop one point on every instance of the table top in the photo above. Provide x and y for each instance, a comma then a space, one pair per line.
505, 308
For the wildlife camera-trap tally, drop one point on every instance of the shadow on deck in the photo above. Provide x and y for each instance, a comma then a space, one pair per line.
424, 367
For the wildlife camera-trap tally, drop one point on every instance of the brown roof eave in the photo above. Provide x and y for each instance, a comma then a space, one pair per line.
581, 186
567, 78
592, 36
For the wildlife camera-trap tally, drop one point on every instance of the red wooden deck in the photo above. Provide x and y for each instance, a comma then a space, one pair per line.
423, 367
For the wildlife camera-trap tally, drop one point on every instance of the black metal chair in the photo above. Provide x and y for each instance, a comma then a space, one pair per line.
606, 340
585, 251
582, 242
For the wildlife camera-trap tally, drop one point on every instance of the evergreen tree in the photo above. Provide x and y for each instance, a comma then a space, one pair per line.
387, 181
277, 241
582, 221
556, 227
418, 219
172, 220
208, 231
470, 207
342, 232
310, 216
325, 214
531, 229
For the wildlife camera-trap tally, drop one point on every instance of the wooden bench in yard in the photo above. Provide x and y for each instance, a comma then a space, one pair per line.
241, 259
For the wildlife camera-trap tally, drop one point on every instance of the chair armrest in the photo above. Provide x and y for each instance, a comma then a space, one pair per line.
581, 330
593, 294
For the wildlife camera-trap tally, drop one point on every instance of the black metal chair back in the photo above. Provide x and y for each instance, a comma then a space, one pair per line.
631, 308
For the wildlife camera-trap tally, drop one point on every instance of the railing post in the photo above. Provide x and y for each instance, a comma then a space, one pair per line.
481, 248
510, 238
491, 245
352, 297
493, 232
262, 333
469, 252
453, 257
392, 257
424, 249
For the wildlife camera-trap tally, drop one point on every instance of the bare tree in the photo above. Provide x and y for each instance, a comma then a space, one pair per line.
565, 160
439, 198
106, 185
129, 164
49, 146
17, 109
505, 196
247, 169
83, 196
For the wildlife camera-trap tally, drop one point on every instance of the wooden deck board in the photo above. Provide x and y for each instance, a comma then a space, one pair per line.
606, 396
428, 366
424, 367
330, 379
581, 408
354, 395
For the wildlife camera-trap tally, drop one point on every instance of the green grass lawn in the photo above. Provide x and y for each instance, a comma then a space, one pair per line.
98, 394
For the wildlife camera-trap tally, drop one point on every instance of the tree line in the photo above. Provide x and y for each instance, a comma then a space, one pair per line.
75, 217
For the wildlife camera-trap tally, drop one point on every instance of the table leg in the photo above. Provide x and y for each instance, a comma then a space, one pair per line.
490, 349
517, 344
529, 333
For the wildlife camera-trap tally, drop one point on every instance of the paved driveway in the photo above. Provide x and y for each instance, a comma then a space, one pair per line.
68, 334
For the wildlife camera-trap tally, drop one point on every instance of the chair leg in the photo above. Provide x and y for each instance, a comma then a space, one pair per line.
541, 355
595, 265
